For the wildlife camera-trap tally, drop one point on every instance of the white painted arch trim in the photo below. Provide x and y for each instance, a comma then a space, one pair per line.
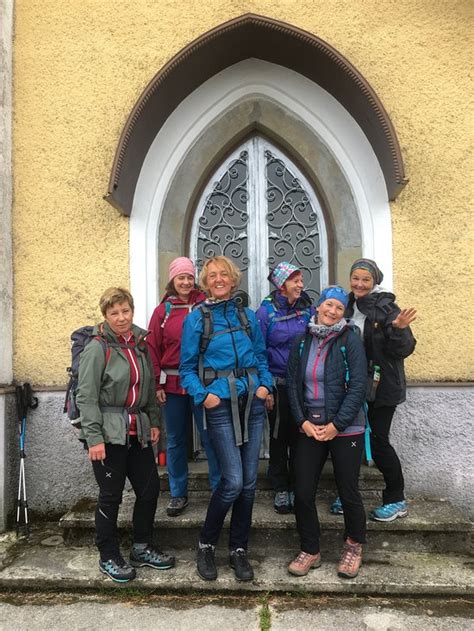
331, 122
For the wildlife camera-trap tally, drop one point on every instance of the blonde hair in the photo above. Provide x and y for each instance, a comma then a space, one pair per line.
113, 296
230, 267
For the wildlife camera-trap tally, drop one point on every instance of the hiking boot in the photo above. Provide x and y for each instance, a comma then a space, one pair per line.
239, 563
176, 506
281, 502
303, 563
336, 507
117, 569
351, 559
291, 499
389, 512
151, 557
206, 562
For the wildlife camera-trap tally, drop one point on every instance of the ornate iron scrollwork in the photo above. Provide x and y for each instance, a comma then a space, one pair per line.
293, 231
223, 223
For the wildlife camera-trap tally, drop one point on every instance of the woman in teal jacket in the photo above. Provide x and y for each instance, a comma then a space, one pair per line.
224, 367
119, 424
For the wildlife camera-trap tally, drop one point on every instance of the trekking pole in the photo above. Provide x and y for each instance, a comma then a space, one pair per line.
24, 400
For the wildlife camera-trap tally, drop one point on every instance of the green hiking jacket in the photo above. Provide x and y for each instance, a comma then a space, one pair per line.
102, 385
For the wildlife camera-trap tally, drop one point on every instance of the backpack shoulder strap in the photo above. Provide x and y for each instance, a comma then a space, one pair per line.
244, 320
207, 328
386, 305
342, 341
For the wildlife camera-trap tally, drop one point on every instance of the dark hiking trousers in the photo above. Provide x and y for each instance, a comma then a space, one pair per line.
346, 455
384, 455
138, 465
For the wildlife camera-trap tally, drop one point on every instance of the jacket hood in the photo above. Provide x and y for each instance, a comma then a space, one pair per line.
368, 302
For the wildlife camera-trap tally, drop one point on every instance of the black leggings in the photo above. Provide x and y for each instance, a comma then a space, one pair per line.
384, 455
346, 455
282, 448
139, 466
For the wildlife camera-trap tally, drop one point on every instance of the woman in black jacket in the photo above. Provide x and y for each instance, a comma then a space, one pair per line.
388, 340
326, 381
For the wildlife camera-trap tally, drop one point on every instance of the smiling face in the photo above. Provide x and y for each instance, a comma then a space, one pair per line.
292, 287
330, 312
219, 281
119, 317
362, 282
183, 285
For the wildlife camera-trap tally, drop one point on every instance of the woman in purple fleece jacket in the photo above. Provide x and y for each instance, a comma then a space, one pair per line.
283, 315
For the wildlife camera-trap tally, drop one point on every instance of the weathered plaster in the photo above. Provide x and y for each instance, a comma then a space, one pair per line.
77, 76
6, 185
431, 432
6, 280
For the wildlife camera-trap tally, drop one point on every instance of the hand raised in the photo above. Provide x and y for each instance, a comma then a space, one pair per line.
404, 318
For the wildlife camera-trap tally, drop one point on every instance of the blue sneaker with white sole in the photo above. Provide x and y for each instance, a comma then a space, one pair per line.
336, 507
389, 512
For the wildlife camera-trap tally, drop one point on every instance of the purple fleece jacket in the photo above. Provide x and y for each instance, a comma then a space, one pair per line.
279, 335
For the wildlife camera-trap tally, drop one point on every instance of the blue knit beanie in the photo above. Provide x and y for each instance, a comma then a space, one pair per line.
335, 292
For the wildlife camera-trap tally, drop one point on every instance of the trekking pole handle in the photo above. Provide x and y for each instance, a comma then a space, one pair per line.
29, 399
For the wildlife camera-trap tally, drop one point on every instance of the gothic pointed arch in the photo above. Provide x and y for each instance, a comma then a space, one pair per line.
251, 36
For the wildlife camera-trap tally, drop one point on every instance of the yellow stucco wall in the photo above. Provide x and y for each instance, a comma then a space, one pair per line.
79, 67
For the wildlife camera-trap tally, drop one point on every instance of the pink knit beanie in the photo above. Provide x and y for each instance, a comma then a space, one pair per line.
181, 265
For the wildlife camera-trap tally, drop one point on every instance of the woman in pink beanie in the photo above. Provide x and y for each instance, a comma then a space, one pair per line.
164, 342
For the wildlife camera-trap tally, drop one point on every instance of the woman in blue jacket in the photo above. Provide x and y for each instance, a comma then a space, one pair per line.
224, 368
326, 381
282, 316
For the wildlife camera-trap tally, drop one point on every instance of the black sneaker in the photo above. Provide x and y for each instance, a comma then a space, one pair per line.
176, 506
206, 562
151, 557
281, 502
117, 569
239, 563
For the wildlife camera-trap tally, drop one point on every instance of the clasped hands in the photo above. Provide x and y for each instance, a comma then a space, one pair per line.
321, 433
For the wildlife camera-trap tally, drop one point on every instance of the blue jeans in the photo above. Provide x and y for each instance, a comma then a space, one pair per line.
178, 412
239, 468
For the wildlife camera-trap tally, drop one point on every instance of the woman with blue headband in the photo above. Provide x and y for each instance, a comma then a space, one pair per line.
326, 382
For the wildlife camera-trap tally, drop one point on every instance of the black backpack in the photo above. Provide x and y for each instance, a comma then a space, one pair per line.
208, 330
80, 338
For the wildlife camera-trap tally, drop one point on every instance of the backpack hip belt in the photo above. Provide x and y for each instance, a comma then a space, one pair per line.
125, 412
232, 375
171, 371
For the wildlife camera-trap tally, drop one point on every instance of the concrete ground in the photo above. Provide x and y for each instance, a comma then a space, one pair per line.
46, 584
155, 613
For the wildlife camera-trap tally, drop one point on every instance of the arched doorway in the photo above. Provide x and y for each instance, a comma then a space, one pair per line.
257, 98
258, 209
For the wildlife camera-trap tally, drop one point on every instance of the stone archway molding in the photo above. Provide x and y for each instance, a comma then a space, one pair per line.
251, 36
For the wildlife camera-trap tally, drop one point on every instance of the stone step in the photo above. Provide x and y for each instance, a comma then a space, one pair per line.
431, 526
45, 563
370, 480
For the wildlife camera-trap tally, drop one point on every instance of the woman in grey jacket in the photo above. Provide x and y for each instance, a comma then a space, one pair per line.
119, 424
